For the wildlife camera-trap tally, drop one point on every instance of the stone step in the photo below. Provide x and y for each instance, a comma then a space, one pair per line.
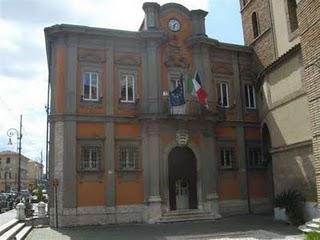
12, 231
185, 215
313, 225
185, 212
185, 218
306, 229
6, 226
23, 233
316, 220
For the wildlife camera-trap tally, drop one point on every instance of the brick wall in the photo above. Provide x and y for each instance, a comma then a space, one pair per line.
309, 28
263, 44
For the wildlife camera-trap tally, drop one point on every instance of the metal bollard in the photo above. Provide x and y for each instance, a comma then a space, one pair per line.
41, 209
20, 211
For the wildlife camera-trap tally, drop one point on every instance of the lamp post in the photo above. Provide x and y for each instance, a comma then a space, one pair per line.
10, 133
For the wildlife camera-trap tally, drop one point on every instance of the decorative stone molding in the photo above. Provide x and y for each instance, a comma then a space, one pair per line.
182, 137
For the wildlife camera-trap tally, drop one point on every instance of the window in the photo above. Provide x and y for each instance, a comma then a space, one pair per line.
255, 160
223, 94
90, 158
255, 28
90, 86
128, 157
226, 156
8, 160
244, 2
127, 88
292, 12
250, 96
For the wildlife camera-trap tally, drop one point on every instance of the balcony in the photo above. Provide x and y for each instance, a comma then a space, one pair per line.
160, 108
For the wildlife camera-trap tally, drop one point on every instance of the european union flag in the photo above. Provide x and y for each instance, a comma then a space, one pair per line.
176, 96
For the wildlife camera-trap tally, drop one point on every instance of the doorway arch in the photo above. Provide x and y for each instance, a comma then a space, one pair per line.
182, 171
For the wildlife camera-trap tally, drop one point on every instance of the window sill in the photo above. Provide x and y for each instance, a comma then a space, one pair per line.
222, 169
129, 170
90, 171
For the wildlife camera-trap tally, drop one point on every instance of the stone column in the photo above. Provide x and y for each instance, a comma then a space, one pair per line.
198, 22
209, 166
241, 146
154, 199
151, 19
70, 126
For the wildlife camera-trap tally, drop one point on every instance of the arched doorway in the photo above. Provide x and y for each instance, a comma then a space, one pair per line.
182, 168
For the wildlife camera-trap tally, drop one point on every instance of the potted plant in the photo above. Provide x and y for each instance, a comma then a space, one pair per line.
289, 202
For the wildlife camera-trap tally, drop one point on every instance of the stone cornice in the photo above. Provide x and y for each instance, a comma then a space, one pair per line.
66, 29
195, 40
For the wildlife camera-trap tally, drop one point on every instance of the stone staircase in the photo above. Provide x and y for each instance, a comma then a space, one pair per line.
312, 226
186, 215
14, 230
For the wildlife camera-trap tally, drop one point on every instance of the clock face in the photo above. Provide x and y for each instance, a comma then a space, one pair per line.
174, 25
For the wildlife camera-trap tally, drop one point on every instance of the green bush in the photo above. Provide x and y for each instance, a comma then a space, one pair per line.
291, 200
312, 236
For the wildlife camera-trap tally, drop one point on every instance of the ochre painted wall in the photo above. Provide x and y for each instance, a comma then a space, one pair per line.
129, 192
127, 130
228, 185
60, 78
225, 132
252, 134
129, 185
91, 130
258, 184
91, 194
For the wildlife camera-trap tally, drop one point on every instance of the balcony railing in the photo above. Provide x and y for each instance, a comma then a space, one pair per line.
162, 106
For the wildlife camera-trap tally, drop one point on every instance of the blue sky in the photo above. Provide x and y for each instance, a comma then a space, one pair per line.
223, 21
23, 66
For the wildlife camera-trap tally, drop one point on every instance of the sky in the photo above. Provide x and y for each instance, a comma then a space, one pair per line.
23, 64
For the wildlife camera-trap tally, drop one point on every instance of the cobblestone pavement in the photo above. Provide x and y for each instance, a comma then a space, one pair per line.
247, 227
7, 216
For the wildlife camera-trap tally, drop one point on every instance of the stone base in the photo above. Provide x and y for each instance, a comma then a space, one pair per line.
233, 207
311, 210
141, 213
153, 210
212, 205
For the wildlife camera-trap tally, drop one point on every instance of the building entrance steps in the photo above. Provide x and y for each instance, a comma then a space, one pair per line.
186, 215
312, 226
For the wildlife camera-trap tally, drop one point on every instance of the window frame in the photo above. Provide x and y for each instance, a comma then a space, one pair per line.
221, 95
124, 144
90, 99
248, 103
100, 159
126, 100
291, 15
255, 24
260, 165
230, 150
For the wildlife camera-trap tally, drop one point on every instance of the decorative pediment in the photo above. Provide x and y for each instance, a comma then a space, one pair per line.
127, 60
91, 56
174, 57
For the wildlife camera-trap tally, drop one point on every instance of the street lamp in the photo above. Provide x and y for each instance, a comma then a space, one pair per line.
11, 132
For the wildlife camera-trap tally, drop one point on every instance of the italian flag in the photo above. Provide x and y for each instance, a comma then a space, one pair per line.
199, 90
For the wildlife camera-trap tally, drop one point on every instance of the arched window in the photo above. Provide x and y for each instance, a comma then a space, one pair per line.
292, 12
255, 28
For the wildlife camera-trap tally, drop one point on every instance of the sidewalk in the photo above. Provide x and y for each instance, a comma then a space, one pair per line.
247, 227
7, 216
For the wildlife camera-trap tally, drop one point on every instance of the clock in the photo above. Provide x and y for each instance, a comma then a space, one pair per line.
174, 25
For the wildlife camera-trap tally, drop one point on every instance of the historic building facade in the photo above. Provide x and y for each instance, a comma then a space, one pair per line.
118, 153
9, 167
285, 38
